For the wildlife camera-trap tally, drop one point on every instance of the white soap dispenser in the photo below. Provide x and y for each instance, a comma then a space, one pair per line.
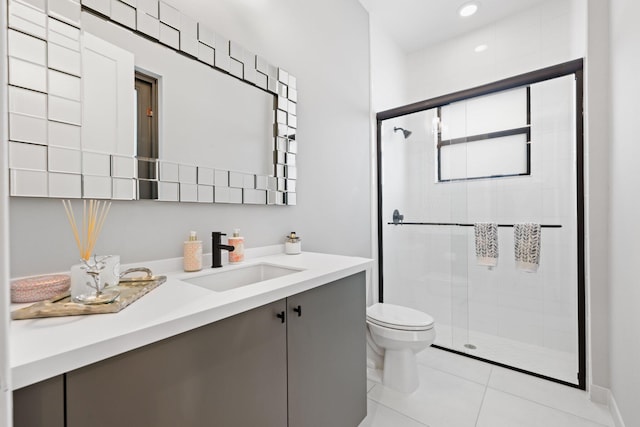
292, 244
192, 253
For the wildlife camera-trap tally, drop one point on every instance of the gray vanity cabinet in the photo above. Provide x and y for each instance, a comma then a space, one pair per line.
229, 373
40, 405
298, 362
326, 344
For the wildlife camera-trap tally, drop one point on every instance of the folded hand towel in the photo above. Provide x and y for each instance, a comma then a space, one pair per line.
486, 243
526, 237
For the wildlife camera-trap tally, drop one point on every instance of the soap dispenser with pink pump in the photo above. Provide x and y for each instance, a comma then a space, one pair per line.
237, 241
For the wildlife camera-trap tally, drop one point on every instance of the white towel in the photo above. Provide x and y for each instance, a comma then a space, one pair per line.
486, 234
526, 237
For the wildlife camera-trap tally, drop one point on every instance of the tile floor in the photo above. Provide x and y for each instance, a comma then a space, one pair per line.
457, 391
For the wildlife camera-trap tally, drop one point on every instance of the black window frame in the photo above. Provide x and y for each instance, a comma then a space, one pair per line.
525, 130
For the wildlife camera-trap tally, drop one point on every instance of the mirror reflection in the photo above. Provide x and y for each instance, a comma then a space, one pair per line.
206, 121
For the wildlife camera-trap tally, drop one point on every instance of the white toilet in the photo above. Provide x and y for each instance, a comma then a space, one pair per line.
396, 334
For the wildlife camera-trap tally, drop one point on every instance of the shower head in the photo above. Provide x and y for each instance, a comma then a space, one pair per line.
405, 132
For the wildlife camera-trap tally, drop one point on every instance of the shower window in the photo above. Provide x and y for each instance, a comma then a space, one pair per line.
484, 137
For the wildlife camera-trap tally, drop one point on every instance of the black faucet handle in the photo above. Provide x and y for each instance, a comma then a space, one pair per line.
217, 234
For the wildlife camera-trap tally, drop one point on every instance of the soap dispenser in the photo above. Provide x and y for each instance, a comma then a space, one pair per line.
237, 241
292, 244
192, 253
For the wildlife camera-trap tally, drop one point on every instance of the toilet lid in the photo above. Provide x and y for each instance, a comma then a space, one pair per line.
398, 317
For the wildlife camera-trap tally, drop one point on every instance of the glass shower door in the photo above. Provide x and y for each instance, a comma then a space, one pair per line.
502, 158
424, 266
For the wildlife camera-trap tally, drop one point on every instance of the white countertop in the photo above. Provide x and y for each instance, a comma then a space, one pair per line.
43, 348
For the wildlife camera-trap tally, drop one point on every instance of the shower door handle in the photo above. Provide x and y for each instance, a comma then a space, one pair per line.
397, 217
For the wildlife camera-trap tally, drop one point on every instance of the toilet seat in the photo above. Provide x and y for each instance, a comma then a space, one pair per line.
397, 317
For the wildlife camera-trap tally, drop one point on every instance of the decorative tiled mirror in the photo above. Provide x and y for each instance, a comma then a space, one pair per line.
72, 107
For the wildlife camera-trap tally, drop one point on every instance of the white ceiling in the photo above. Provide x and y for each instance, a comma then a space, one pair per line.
415, 24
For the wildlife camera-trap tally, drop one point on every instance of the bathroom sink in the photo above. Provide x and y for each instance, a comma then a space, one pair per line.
225, 280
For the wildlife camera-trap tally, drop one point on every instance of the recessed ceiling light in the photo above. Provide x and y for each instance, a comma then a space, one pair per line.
481, 48
468, 9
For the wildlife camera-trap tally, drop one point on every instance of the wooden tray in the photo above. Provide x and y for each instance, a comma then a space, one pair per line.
62, 305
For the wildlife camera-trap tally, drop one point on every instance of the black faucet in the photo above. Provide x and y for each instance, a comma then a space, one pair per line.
217, 247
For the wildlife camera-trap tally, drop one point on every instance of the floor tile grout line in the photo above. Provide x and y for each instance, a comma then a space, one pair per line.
483, 396
397, 412
456, 375
547, 406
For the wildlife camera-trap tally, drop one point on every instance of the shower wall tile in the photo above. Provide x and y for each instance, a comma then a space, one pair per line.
523, 326
553, 289
483, 203
484, 318
560, 340
522, 298
559, 315
483, 286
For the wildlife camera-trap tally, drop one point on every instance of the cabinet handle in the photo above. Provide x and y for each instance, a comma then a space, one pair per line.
298, 310
280, 316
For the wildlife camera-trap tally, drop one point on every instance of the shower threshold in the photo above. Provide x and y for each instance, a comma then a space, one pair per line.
544, 361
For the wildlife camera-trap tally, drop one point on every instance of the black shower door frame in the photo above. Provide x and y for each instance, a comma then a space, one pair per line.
574, 67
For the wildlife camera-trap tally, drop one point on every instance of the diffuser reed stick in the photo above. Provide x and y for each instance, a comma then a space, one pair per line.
92, 222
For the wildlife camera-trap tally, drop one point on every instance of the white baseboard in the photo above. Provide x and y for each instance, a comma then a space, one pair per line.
615, 412
604, 396
599, 394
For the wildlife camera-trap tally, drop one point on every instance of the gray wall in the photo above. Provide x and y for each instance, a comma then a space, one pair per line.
326, 46
624, 338
5, 393
596, 162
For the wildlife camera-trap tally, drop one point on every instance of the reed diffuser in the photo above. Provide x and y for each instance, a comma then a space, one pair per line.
92, 223
87, 284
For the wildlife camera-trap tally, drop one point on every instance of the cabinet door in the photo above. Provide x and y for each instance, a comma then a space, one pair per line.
40, 404
327, 355
229, 373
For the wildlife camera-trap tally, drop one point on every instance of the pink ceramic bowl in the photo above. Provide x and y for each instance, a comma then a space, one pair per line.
39, 288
